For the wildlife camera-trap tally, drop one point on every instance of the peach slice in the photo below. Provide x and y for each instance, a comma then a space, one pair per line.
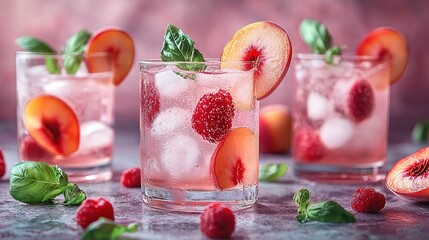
52, 124
275, 129
386, 42
269, 45
409, 178
119, 44
235, 160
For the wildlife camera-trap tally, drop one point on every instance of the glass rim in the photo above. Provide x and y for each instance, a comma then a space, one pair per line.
343, 57
37, 55
207, 61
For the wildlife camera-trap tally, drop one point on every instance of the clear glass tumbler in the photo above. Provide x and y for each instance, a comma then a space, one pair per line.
199, 134
340, 114
65, 112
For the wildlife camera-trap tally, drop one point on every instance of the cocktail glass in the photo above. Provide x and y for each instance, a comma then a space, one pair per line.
199, 134
340, 114
64, 118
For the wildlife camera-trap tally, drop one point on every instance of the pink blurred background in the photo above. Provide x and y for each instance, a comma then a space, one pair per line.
211, 24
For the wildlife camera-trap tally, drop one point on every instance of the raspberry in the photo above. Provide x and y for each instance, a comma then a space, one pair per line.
92, 209
307, 144
31, 151
2, 164
131, 178
217, 221
360, 101
150, 102
212, 117
367, 200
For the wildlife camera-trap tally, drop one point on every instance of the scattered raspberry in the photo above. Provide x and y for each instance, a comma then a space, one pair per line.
92, 209
217, 221
31, 151
150, 103
131, 178
367, 200
307, 144
213, 115
2, 164
360, 101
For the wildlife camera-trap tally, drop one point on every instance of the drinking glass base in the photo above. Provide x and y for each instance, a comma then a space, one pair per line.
89, 175
197, 201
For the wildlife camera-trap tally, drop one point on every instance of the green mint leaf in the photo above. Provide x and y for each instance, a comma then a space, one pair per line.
32, 44
302, 199
75, 47
272, 172
315, 35
36, 182
180, 47
329, 211
106, 229
421, 132
73, 195
331, 53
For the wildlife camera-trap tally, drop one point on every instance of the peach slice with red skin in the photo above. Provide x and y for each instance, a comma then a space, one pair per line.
269, 45
235, 160
52, 124
409, 177
116, 42
386, 42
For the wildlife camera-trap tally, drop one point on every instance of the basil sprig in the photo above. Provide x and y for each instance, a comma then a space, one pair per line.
32, 44
37, 182
180, 47
420, 132
106, 229
326, 211
75, 47
271, 172
318, 38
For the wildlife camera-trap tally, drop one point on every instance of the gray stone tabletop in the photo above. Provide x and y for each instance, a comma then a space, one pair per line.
273, 217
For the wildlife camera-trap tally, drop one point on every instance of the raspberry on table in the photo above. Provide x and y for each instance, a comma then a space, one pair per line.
367, 200
217, 221
131, 177
92, 209
2, 164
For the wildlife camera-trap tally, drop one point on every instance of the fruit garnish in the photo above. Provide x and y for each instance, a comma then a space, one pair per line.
367, 200
31, 151
2, 164
212, 117
52, 124
179, 47
318, 38
307, 145
150, 104
235, 160
92, 209
269, 46
217, 221
409, 177
105, 228
37, 182
360, 101
271, 172
130, 178
116, 42
326, 211
275, 129
386, 42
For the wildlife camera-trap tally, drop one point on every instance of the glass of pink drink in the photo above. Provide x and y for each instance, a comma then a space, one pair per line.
66, 119
199, 134
340, 117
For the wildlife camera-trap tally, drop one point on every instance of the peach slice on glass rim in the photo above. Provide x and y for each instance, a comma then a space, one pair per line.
235, 160
269, 45
386, 42
116, 42
52, 124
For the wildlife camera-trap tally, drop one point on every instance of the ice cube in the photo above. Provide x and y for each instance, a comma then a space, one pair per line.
170, 120
243, 91
318, 106
180, 156
301, 74
218, 80
37, 71
95, 135
170, 84
336, 132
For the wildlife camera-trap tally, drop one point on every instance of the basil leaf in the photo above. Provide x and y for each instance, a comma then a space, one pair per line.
180, 47
106, 229
329, 211
32, 44
73, 195
421, 132
315, 35
272, 172
302, 197
36, 182
75, 46
331, 52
